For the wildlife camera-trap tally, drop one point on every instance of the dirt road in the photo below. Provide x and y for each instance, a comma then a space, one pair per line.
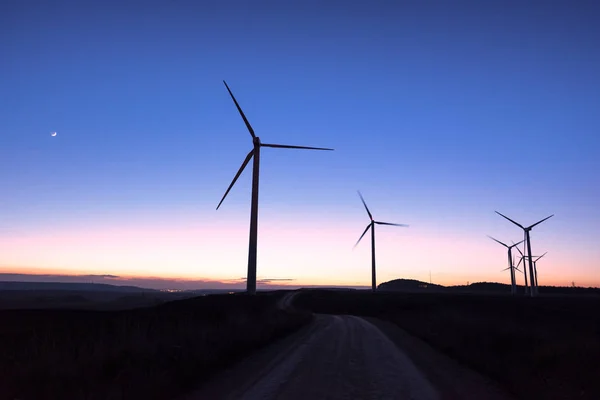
338, 357
347, 357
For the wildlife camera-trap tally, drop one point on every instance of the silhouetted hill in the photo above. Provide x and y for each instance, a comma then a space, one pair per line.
409, 285
96, 287
482, 287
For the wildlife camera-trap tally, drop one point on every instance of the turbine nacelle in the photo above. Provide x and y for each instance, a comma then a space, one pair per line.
373, 222
525, 228
505, 245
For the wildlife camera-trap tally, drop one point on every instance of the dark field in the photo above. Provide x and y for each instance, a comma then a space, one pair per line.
84, 300
541, 348
151, 353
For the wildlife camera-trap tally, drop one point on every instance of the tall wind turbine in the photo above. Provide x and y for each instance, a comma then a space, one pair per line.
511, 267
528, 229
255, 152
372, 227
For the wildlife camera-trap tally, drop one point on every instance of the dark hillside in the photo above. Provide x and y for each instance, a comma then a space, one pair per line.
411, 285
150, 353
94, 287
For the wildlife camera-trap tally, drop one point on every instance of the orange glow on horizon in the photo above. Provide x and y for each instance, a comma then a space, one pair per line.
305, 253
36, 271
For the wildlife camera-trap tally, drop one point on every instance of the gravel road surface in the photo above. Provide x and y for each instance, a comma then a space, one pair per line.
347, 357
337, 357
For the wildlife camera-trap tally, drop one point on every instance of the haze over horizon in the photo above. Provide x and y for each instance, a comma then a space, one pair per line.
439, 113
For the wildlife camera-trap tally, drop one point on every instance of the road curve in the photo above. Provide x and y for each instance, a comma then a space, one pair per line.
337, 357
287, 300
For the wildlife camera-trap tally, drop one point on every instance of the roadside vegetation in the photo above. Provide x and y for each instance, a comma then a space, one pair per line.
151, 353
541, 348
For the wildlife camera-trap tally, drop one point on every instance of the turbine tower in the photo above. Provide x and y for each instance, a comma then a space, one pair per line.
372, 227
527, 289
511, 267
537, 258
255, 152
535, 268
528, 229
522, 260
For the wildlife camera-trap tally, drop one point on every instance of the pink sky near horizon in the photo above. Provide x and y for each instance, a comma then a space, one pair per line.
309, 253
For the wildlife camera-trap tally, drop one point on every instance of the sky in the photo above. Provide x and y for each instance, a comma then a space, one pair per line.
439, 112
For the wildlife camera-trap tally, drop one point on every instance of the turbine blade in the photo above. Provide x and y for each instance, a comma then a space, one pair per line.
516, 244
516, 223
520, 261
518, 249
389, 223
241, 112
361, 236
248, 157
285, 146
496, 240
505, 269
538, 259
365, 204
518, 270
539, 222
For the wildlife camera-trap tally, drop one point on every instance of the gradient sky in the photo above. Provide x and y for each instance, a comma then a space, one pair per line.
439, 112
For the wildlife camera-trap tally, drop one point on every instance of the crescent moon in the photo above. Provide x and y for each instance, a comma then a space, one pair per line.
53, 134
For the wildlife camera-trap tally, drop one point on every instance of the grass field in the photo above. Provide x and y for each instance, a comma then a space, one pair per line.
151, 353
542, 348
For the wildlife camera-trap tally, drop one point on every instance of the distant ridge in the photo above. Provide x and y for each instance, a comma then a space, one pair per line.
411, 285
90, 287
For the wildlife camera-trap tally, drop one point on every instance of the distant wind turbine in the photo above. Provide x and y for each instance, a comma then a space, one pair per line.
372, 227
522, 260
534, 279
526, 230
255, 152
535, 274
511, 267
527, 289
535, 267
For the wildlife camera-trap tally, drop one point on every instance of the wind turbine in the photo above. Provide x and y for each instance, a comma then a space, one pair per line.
522, 260
372, 227
255, 152
526, 230
513, 283
535, 267
537, 258
527, 289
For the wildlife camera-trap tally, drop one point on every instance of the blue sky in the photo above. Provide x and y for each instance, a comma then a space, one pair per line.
440, 113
